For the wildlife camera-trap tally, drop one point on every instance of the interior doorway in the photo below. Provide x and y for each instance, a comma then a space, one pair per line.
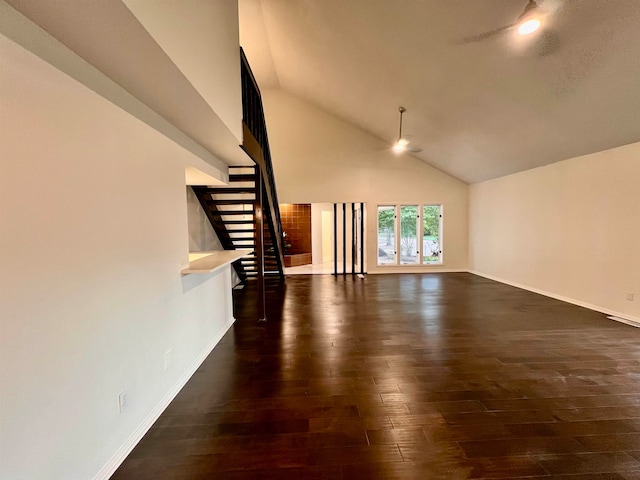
321, 226
331, 247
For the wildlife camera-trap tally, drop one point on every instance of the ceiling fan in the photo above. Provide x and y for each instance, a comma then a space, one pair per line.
528, 22
403, 144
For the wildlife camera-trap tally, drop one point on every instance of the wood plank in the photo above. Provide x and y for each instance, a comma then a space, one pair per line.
410, 376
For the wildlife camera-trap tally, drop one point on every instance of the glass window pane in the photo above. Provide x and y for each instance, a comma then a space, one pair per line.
431, 225
408, 234
386, 235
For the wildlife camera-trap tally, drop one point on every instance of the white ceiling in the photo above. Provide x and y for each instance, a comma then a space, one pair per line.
479, 110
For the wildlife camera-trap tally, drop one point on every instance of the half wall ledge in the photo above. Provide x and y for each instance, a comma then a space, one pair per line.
209, 262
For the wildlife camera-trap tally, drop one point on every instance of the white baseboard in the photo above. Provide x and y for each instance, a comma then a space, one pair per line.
119, 457
624, 320
410, 269
573, 301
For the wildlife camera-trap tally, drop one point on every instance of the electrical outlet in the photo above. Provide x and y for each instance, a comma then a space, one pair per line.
630, 297
122, 401
168, 357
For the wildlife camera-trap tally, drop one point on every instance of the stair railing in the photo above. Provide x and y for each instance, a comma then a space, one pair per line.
256, 144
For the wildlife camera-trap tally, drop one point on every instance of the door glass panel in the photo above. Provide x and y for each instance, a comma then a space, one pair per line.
386, 235
431, 221
408, 234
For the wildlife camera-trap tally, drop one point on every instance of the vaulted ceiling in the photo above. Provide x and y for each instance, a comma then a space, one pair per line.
478, 109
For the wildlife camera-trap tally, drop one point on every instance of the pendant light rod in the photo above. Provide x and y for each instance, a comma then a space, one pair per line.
401, 110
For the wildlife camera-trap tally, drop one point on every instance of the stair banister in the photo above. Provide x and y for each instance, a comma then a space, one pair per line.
256, 144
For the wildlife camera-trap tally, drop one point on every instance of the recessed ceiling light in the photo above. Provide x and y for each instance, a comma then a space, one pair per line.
529, 26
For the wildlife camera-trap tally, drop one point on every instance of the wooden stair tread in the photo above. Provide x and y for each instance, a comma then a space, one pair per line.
233, 212
242, 177
237, 222
231, 201
230, 190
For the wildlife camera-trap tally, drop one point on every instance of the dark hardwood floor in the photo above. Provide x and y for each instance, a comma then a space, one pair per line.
435, 376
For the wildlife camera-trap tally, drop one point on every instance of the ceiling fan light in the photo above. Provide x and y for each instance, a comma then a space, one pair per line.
401, 145
529, 26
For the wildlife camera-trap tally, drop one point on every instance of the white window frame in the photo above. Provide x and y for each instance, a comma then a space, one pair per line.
440, 234
419, 237
396, 223
417, 234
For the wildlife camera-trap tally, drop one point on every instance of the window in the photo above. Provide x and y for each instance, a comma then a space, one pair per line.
431, 226
409, 253
386, 235
419, 236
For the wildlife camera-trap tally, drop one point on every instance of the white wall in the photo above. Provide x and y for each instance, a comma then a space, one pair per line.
201, 38
317, 234
104, 46
571, 229
320, 158
202, 238
93, 234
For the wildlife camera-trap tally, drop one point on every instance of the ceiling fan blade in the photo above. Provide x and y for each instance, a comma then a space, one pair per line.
411, 149
530, 7
548, 43
485, 35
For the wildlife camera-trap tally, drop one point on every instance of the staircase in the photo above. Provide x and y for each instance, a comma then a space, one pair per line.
231, 211
246, 214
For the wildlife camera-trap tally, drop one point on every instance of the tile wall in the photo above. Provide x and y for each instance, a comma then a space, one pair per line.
296, 221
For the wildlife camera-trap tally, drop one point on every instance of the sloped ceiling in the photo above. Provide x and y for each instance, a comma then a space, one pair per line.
478, 110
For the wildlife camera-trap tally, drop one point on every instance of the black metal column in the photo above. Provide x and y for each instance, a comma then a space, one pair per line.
354, 238
259, 241
344, 239
362, 238
335, 239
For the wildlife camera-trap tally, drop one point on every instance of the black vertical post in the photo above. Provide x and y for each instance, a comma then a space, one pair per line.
354, 239
362, 238
259, 241
344, 239
335, 239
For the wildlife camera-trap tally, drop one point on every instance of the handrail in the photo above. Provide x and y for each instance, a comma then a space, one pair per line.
256, 144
